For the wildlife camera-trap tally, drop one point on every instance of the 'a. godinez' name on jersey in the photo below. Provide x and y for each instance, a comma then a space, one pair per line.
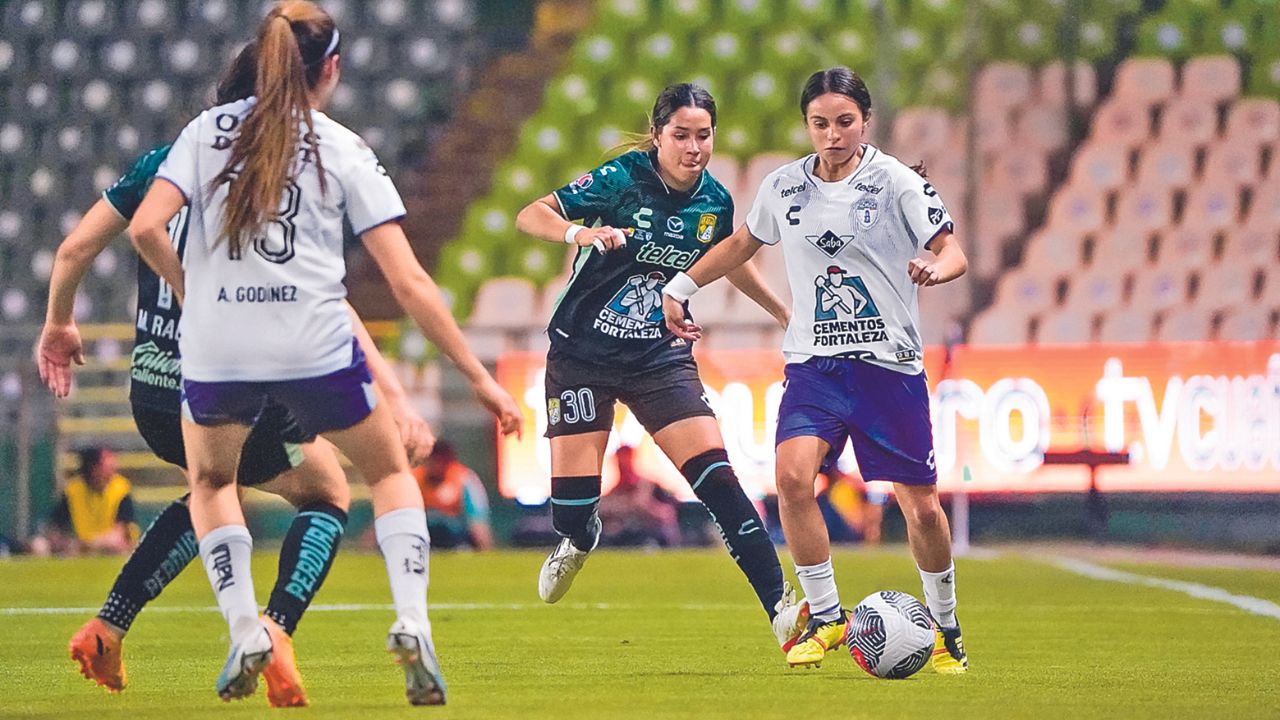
277, 311
847, 245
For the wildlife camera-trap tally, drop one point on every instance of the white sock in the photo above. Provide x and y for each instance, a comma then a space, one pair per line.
402, 537
940, 595
226, 552
819, 585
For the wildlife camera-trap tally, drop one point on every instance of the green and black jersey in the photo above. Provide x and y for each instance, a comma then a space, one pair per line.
155, 371
610, 312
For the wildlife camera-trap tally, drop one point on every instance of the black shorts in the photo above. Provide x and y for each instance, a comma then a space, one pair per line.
272, 446
580, 395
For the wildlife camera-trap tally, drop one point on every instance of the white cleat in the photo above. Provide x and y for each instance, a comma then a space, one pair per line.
413, 651
562, 566
792, 618
239, 678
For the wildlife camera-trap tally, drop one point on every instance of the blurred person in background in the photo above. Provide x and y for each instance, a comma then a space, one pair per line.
633, 222
637, 512
95, 513
851, 221
456, 502
852, 509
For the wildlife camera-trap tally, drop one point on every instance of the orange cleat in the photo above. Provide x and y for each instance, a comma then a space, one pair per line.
97, 647
284, 682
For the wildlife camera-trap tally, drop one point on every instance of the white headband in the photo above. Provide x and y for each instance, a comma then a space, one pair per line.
333, 45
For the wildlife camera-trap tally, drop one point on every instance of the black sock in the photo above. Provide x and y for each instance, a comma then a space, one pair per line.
166, 548
573, 507
716, 485
305, 558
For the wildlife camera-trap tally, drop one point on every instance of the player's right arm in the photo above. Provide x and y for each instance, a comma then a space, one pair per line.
60, 343
589, 197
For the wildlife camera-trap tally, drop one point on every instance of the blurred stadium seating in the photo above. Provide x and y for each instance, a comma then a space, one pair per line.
1127, 195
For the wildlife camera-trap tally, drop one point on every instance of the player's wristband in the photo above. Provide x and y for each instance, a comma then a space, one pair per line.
681, 288
571, 233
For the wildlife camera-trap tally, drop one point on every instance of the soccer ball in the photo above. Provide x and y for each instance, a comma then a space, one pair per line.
891, 635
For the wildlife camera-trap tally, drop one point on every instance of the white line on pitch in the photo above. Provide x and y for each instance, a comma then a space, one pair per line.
358, 607
1248, 603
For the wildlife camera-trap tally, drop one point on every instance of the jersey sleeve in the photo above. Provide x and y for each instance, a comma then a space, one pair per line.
179, 167
591, 196
125, 194
762, 222
724, 224
372, 198
922, 210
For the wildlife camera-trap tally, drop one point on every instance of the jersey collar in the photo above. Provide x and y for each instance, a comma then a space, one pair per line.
653, 167
868, 152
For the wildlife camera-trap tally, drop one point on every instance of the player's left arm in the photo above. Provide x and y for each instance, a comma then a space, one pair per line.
415, 431
948, 261
150, 234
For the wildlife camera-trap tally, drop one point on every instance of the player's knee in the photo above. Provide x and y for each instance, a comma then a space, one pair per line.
794, 485
925, 512
211, 477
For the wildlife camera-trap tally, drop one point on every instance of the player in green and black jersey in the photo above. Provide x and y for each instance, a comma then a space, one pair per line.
637, 220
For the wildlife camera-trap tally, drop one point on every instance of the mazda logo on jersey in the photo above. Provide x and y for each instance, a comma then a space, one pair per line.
675, 224
829, 242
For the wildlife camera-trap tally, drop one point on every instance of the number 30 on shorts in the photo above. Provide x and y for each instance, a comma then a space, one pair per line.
572, 406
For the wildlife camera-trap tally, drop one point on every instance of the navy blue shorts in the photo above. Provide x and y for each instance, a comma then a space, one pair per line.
271, 448
319, 404
884, 413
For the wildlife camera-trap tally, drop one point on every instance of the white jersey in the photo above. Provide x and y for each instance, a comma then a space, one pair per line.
847, 245
276, 312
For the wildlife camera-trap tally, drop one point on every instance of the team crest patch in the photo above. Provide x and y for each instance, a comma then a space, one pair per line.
935, 215
868, 213
553, 411
706, 227
583, 182
829, 242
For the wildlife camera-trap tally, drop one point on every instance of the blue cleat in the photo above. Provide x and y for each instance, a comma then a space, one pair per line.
239, 678
413, 651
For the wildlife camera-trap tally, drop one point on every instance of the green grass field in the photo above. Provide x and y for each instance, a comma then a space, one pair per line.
663, 636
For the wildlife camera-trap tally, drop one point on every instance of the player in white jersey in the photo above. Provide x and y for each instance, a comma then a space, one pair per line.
851, 221
269, 181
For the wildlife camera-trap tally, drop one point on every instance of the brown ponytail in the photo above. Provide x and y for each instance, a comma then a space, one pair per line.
292, 43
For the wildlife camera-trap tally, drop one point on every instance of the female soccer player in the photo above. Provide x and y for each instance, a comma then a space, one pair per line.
316, 486
608, 342
269, 180
851, 221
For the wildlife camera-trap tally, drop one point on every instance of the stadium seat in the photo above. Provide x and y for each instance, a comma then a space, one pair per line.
1254, 120
1064, 326
1226, 32
1041, 129
853, 43
1248, 324
1021, 170
663, 54
747, 14
1185, 323
790, 52
151, 17
1159, 288
1225, 286
924, 130
762, 91
1098, 290
1210, 79
1186, 247
1077, 208
999, 325
1264, 77
725, 50
505, 303
1120, 125
1169, 163
1144, 81
29, 18
1188, 120
687, 14
1166, 35
623, 16
1146, 207
1211, 208
1002, 86
1027, 290
1128, 324
1252, 245
1233, 164
1118, 249
1100, 167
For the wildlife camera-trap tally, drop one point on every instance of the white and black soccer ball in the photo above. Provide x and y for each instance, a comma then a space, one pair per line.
891, 635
